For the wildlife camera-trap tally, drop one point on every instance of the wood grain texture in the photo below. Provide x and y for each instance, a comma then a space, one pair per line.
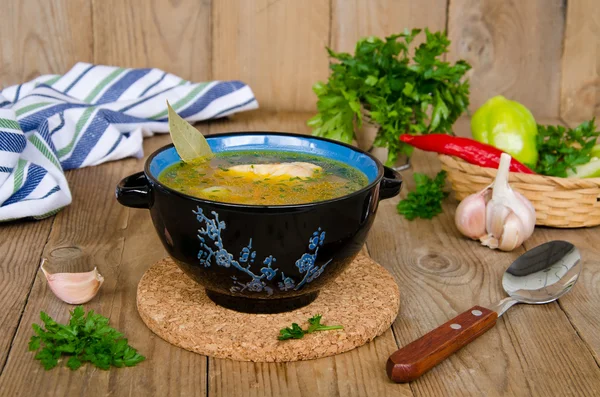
514, 47
582, 303
275, 46
440, 274
533, 350
261, 120
174, 36
41, 37
21, 246
413, 360
96, 231
580, 80
360, 372
354, 19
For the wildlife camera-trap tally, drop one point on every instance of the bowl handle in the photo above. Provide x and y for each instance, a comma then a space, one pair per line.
133, 191
390, 184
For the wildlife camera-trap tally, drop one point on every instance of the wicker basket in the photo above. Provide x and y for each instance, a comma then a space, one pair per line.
558, 202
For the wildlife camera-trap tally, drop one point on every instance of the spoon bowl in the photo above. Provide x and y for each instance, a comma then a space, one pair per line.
541, 275
544, 273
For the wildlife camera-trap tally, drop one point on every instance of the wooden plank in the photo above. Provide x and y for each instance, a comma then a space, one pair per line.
514, 48
360, 372
41, 37
277, 47
354, 19
96, 231
261, 120
580, 79
583, 303
21, 247
441, 274
173, 36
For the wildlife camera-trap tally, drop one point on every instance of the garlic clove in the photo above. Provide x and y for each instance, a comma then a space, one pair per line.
470, 215
513, 235
496, 214
529, 215
74, 288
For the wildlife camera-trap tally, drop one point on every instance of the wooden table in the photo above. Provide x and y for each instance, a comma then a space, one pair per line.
550, 350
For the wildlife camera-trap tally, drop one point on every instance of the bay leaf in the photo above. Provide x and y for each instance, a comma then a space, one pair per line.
189, 142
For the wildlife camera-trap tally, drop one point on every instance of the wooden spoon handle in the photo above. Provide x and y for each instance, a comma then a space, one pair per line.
418, 357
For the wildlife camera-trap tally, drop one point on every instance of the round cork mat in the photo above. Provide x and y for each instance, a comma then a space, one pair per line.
364, 299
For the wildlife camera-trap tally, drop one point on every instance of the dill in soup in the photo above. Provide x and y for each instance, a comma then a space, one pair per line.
264, 177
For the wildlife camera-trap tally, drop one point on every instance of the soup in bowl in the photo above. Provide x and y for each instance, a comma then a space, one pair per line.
267, 222
264, 177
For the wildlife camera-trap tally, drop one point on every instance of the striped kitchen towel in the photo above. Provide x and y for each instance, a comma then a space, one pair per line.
90, 115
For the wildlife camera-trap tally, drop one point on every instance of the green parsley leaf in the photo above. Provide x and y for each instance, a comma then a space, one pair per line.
48, 358
296, 332
401, 94
74, 363
34, 343
85, 338
426, 200
562, 149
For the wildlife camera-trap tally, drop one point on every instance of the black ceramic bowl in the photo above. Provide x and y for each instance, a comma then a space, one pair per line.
260, 258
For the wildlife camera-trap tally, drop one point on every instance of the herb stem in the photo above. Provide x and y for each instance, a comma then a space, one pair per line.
296, 332
329, 327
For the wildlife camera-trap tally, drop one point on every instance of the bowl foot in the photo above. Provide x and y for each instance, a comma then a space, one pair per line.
261, 306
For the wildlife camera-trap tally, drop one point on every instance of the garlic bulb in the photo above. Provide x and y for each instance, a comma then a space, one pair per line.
74, 288
497, 216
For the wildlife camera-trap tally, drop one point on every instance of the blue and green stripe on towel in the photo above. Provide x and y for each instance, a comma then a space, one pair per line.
88, 116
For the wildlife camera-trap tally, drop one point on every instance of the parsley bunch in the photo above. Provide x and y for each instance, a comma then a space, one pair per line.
402, 95
561, 149
86, 338
296, 332
426, 200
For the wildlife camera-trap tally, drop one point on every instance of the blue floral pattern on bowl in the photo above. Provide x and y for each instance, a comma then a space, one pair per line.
212, 249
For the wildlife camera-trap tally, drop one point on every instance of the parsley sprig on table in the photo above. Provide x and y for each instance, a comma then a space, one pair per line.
86, 338
562, 149
402, 94
296, 332
426, 200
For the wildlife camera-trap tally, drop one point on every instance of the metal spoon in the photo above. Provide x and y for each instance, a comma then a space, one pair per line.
541, 275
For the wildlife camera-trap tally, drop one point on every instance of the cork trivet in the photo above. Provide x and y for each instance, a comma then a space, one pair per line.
364, 299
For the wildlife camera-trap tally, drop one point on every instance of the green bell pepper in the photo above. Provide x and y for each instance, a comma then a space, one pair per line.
509, 126
588, 170
595, 151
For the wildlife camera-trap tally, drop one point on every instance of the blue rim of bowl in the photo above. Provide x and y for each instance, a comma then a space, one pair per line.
376, 181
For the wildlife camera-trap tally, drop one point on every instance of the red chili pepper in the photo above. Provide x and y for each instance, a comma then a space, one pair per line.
467, 149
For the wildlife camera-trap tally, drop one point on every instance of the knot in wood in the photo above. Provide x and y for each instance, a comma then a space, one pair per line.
66, 252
